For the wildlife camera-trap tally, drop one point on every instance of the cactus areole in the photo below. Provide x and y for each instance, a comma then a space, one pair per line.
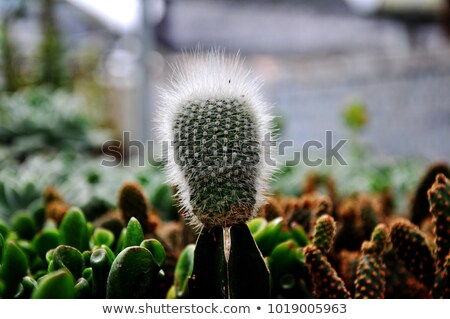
215, 125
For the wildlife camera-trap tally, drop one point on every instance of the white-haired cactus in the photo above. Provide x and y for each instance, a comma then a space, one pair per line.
215, 122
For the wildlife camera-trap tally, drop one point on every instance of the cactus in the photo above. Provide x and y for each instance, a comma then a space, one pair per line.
420, 205
13, 268
324, 232
411, 246
326, 282
371, 271
132, 203
215, 124
439, 198
132, 274
215, 121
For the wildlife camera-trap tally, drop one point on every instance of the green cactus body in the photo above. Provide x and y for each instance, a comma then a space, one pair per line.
379, 238
74, 231
439, 199
216, 143
324, 232
69, 258
132, 274
13, 269
370, 274
446, 279
132, 203
56, 285
411, 246
326, 282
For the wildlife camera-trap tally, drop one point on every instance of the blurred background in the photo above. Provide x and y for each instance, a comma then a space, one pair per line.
77, 73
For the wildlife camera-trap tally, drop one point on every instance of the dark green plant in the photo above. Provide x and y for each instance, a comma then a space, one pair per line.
101, 263
69, 258
226, 261
101, 237
13, 268
132, 274
183, 272
288, 272
44, 241
74, 230
55, 285
133, 234
23, 224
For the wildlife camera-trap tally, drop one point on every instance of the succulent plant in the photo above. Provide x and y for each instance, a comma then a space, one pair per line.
411, 246
101, 263
74, 230
326, 282
55, 285
183, 272
13, 268
217, 126
132, 274
420, 204
215, 121
439, 198
371, 271
324, 232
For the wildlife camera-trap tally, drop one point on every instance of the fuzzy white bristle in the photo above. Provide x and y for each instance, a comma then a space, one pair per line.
216, 80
